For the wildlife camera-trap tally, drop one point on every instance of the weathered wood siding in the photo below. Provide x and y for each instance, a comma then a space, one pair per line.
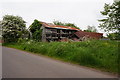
54, 34
43, 34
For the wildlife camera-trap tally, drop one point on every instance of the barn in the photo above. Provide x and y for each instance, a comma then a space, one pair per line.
51, 32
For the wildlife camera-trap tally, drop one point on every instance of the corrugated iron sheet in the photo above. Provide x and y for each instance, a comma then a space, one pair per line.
58, 26
90, 34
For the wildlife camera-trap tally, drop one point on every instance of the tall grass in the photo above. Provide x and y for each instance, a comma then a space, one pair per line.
98, 54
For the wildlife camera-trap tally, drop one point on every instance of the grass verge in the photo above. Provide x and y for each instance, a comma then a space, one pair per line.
98, 54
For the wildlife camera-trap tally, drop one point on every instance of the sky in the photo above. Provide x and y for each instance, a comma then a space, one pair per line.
80, 12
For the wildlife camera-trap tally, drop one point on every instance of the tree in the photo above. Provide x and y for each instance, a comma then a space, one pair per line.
65, 24
112, 20
35, 29
91, 29
113, 36
12, 28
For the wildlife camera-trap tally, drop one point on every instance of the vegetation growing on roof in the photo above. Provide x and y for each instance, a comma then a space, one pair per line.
65, 24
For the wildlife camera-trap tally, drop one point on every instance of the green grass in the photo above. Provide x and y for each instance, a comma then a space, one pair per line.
98, 54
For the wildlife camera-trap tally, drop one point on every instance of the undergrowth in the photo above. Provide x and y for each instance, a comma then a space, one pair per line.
96, 53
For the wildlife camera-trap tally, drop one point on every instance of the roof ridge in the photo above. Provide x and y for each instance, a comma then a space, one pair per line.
59, 26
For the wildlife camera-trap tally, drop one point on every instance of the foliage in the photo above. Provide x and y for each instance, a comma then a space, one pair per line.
97, 53
65, 24
36, 30
13, 27
91, 29
112, 20
113, 36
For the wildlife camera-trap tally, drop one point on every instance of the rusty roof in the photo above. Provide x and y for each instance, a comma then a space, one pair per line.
58, 26
90, 34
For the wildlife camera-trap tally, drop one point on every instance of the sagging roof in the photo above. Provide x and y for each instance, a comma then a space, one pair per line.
50, 25
90, 34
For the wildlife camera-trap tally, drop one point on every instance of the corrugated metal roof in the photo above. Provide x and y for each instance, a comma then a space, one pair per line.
58, 26
90, 34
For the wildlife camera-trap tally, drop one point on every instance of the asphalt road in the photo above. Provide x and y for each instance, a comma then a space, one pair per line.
0, 61
20, 64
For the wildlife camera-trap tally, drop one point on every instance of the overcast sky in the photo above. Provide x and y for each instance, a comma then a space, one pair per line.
80, 12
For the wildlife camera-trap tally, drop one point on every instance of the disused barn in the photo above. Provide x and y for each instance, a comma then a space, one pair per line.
53, 32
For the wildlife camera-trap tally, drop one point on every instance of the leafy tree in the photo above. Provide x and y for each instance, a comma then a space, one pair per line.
113, 36
12, 28
36, 30
91, 29
65, 24
112, 20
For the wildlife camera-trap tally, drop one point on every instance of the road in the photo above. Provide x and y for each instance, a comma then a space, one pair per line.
20, 64
0, 61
